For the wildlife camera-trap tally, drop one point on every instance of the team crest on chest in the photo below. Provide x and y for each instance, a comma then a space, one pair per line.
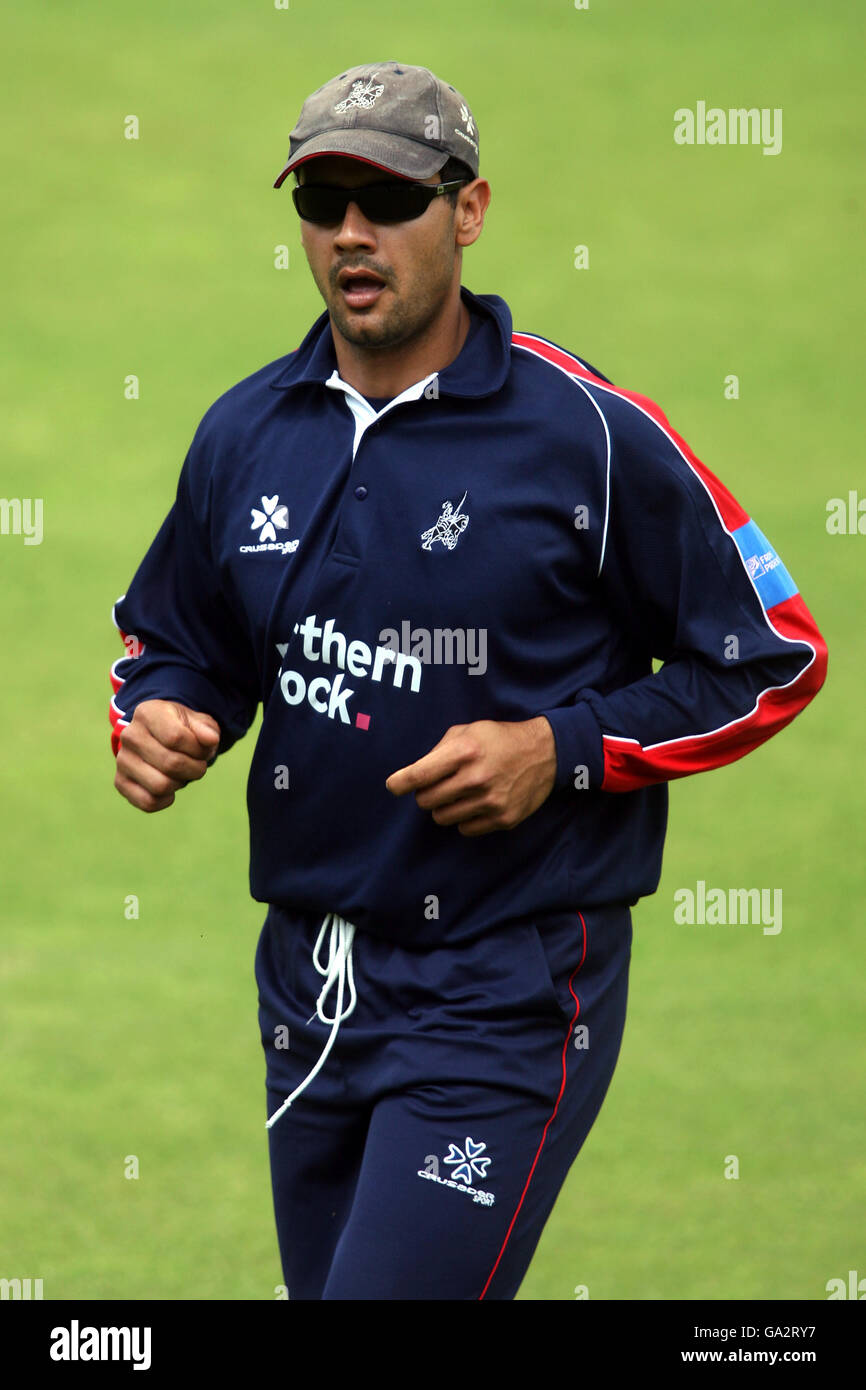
448, 526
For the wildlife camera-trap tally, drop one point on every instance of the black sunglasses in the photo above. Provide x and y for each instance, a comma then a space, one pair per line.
326, 203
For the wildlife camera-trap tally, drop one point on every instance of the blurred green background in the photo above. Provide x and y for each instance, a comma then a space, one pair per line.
156, 257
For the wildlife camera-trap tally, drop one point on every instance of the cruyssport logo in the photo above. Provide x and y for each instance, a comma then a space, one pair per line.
467, 1162
273, 517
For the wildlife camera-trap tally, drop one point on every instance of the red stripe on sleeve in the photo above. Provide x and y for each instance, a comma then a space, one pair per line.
118, 724
134, 648
732, 514
628, 766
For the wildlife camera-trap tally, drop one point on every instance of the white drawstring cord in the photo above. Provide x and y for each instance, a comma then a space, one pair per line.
337, 971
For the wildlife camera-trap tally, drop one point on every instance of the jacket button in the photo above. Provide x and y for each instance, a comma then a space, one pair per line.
360, 493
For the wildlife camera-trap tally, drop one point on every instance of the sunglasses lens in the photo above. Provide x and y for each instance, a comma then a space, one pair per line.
378, 202
393, 203
325, 205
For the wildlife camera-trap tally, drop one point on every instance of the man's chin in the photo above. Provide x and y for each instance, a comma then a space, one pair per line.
364, 328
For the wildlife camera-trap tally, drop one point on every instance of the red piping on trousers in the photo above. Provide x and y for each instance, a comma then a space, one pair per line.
551, 1118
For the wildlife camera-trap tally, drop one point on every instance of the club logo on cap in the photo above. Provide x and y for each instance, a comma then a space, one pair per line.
363, 94
469, 133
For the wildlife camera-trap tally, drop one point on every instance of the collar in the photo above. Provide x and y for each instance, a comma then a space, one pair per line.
480, 371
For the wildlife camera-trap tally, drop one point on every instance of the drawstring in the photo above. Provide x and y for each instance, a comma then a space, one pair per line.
337, 971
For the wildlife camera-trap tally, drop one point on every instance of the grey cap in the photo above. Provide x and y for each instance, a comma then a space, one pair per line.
400, 118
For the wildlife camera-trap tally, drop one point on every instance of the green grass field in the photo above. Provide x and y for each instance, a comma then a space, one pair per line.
155, 258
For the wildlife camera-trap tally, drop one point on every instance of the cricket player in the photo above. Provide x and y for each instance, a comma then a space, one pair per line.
443, 554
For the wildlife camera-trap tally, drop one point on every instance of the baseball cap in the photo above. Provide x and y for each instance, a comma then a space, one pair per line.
400, 118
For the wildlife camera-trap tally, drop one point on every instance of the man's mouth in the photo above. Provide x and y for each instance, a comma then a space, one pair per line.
360, 288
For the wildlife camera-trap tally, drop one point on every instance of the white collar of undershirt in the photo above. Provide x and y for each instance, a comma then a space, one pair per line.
361, 408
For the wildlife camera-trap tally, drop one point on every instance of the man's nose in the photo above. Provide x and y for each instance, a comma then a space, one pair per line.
356, 229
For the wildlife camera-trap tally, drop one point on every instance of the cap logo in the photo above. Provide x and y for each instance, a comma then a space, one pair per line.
363, 94
468, 134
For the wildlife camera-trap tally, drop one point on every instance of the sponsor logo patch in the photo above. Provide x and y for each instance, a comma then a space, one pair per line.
763, 566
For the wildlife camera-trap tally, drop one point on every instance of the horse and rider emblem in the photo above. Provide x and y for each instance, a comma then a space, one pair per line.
363, 95
448, 527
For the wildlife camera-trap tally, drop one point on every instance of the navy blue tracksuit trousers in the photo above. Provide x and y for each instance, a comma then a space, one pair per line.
425, 1157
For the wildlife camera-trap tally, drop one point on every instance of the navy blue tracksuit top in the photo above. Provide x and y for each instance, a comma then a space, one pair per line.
511, 536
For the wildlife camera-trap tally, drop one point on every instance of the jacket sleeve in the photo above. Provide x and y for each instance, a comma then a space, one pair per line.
690, 580
182, 638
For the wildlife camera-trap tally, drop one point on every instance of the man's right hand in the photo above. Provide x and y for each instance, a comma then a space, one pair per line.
164, 746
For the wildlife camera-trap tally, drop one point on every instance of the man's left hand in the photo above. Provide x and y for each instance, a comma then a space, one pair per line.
489, 775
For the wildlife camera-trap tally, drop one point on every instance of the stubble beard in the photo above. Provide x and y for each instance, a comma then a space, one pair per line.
404, 321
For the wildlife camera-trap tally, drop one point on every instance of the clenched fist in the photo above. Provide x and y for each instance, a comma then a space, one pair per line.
165, 746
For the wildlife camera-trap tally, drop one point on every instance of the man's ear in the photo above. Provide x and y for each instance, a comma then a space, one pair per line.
474, 206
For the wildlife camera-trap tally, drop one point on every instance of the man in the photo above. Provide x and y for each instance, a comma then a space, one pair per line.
443, 554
